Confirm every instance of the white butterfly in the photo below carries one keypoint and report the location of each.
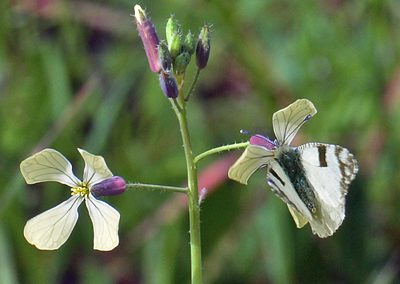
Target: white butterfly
(312, 179)
(50, 229)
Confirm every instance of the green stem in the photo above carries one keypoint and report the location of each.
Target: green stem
(157, 187)
(190, 91)
(193, 197)
(220, 149)
(175, 105)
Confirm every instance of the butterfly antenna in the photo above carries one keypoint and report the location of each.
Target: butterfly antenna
(246, 132)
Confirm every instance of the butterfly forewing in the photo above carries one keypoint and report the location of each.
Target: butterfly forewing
(330, 170)
(287, 121)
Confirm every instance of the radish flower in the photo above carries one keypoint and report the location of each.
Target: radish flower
(51, 229)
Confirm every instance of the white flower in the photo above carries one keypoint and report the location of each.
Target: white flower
(51, 229)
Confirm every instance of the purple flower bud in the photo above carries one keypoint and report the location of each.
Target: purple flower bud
(263, 141)
(112, 186)
(149, 38)
(164, 56)
(168, 84)
(203, 47)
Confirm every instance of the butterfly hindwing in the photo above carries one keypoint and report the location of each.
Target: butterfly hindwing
(287, 121)
(283, 187)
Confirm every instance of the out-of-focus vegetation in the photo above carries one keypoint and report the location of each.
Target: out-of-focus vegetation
(74, 74)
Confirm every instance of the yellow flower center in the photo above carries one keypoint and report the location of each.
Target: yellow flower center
(82, 190)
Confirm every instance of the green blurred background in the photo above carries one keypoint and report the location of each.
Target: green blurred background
(74, 74)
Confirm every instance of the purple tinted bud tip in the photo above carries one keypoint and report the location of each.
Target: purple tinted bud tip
(203, 47)
(168, 84)
(263, 141)
(112, 186)
(149, 38)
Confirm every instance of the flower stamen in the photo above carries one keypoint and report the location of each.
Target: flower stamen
(82, 190)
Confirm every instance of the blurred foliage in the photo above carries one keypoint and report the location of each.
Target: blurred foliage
(74, 74)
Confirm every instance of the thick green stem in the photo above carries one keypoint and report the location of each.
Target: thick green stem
(220, 149)
(157, 187)
(193, 197)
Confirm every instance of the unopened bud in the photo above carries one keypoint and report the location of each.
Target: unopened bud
(260, 140)
(171, 28)
(175, 44)
(181, 62)
(203, 47)
(168, 84)
(112, 186)
(149, 38)
(190, 43)
(164, 56)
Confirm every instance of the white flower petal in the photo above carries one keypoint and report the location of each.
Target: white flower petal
(96, 169)
(253, 158)
(51, 229)
(105, 223)
(48, 165)
(288, 121)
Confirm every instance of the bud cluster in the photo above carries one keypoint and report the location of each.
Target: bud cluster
(169, 58)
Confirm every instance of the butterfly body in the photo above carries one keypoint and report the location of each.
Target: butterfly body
(311, 179)
(290, 161)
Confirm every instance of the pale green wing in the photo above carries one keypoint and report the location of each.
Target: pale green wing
(287, 121)
(96, 169)
(253, 158)
(299, 219)
(51, 229)
(48, 165)
(105, 221)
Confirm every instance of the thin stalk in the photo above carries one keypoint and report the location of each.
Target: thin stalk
(190, 91)
(193, 197)
(157, 187)
(220, 149)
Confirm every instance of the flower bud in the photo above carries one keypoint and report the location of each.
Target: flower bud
(164, 56)
(203, 47)
(181, 62)
(190, 44)
(112, 186)
(175, 44)
(263, 141)
(149, 38)
(171, 28)
(168, 84)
